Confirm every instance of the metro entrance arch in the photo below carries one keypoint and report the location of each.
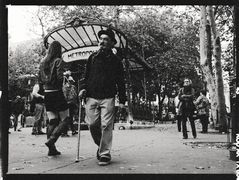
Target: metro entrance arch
(79, 40)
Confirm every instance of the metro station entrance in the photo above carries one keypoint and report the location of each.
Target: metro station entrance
(79, 40)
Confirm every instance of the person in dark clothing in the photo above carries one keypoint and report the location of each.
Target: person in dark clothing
(104, 77)
(17, 109)
(187, 107)
(51, 75)
(38, 98)
(25, 112)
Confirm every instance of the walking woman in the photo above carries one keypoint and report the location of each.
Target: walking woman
(187, 107)
(203, 105)
(51, 75)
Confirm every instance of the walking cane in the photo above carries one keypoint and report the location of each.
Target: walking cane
(78, 138)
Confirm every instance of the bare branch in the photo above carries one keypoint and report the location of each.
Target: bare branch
(224, 32)
(215, 10)
(223, 23)
(196, 8)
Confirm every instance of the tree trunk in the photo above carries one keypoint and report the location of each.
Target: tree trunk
(160, 108)
(209, 75)
(221, 106)
(205, 57)
(159, 102)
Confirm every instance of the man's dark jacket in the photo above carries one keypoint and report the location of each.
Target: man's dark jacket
(104, 76)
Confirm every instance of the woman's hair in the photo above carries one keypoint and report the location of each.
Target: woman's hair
(54, 52)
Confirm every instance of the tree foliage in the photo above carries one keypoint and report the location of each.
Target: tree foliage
(23, 62)
(166, 38)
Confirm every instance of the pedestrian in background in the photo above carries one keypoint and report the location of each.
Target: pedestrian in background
(178, 116)
(187, 107)
(104, 76)
(70, 93)
(39, 112)
(51, 75)
(202, 104)
(17, 109)
(25, 112)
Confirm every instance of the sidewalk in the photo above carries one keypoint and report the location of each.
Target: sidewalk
(156, 150)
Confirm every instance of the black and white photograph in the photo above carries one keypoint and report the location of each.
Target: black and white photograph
(121, 89)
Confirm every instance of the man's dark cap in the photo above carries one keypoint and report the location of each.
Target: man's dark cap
(108, 32)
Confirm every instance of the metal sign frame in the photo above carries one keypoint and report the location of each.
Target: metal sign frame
(79, 39)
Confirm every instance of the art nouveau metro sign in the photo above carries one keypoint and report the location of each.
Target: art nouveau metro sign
(79, 54)
(79, 40)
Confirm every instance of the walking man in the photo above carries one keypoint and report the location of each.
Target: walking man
(104, 77)
(187, 107)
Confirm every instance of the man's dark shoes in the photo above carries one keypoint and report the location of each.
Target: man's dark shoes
(41, 133)
(34, 133)
(104, 161)
(185, 137)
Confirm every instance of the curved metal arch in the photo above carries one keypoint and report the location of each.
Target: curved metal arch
(79, 39)
(85, 35)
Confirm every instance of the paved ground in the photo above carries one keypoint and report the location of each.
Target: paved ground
(158, 150)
